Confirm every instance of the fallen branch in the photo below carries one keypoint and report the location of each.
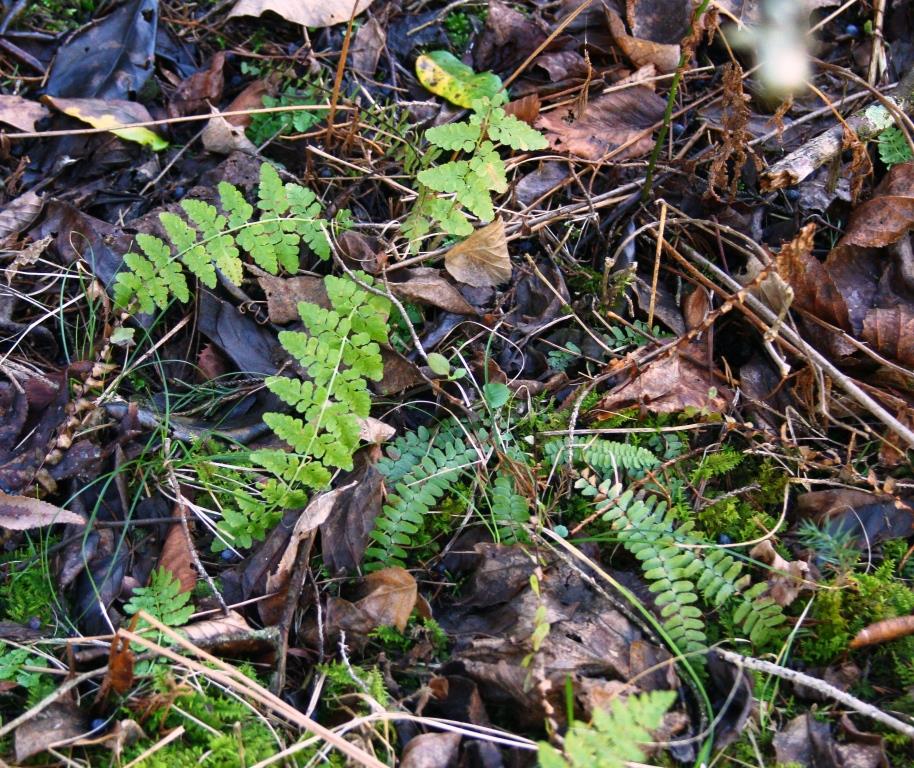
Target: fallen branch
(867, 123)
(791, 675)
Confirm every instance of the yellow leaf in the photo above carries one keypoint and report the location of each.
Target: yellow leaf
(113, 115)
(445, 75)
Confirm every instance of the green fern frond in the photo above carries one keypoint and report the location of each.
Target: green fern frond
(163, 599)
(204, 240)
(473, 179)
(678, 571)
(423, 481)
(893, 147)
(616, 736)
(604, 456)
(340, 351)
(510, 510)
(716, 464)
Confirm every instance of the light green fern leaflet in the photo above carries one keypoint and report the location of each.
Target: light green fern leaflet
(163, 599)
(206, 240)
(604, 456)
(616, 736)
(470, 181)
(340, 352)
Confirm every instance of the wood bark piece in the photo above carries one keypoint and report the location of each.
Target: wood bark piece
(867, 123)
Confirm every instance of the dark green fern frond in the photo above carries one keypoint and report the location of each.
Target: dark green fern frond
(510, 509)
(414, 496)
(716, 464)
(604, 456)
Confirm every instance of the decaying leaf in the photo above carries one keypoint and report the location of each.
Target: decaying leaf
(427, 286)
(176, 557)
(890, 331)
(57, 724)
(308, 13)
(201, 89)
(664, 56)
(19, 214)
(20, 513)
(786, 579)
(668, 385)
(888, 215)
(482, 259)
(508, 38)
(284, 293)
(113, 115)
(388, 598)
(609, 122)
(223, 138)
(367, 46)
(884, 631)
(21, 113)
(431, 750)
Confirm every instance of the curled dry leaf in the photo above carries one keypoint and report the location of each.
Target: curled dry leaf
(308, 13)
(388, 599)
(482, 259)
(201, 89)
(427, 286)
(250, 98)
(19, 214)
(431, 750)
(526, 108)
(21, 113)
(609, 122)
(20, 513)
(786, 579)
(888, 216)
(664, 56)
(177, 558)
(884, 631)
(223, 138)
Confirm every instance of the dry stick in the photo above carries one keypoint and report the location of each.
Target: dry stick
(877, 57)
(230, 676)
(805, 160)
(845, 383)
(868, 710)
(338, 81)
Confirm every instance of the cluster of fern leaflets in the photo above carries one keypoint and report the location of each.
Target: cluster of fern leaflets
(679, 571)
(452, 190)
(206, 239)
(340, 353)
(616, 736)
(510, 510)
(603, 456)
(419, 470)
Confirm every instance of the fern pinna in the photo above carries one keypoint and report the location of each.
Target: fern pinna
(678, 570)
(420, 468)
(340, 352)
(205, 240)
(604, 456)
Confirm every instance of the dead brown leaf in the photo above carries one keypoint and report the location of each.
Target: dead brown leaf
(526, 108)
(664, 56)
(366, 47)
(176, 557)
(431, 750)
(507, 39)
(308, 13)
(344, 535)
(284, 293)
(890, 331)
(19, 214)
(562, 65)
(20, 513)
(482, 259)
(669, 385)
(119, 677)
(21, 113)
(662, 21)
(211, 363)
(250, 98)
(539, 183)
(888, 215)
(427, 286)
(884, 631)
(607, 123)
(813, 287)
(223, 138)
(388, 599)
(786, 579)
(201, 90)
(58, 723)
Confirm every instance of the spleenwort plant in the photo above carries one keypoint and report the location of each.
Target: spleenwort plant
(205, 240)
(682, 567)
(452, 190)
(163, 599)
